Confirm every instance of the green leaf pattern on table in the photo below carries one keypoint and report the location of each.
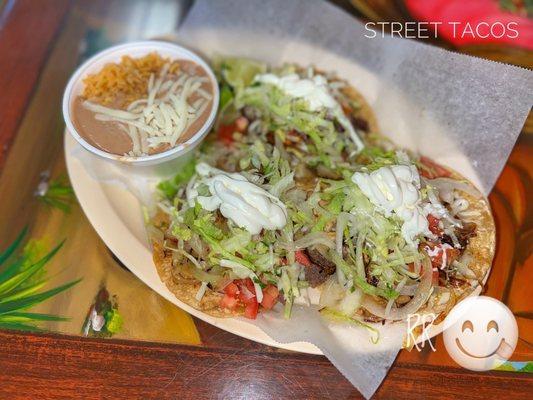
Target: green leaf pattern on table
(22, 277)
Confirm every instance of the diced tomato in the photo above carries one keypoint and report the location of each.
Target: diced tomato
(231, 289)
(245, 295)
(251, 309)
(436, 262)
(272, 290)
(246, 290)
(225, 133)
(250, 285)
(302, 258)
(229, 302)
(436, 254)
(432, 170)
(241, 124)
(242, 291)
(270, 297)
(248, 297)
(434, 225)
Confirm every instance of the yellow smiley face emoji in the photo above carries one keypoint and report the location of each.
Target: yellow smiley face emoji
(480, 333)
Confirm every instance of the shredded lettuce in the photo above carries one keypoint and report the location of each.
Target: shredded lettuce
(226, 96)
(168, 188)
(181, 232)
(240, 72)
(289, 285)
(285, 146)
(328, 312)
(350, 272)
(374, 158)
(283, 113)
(204, 226)
(238, 242)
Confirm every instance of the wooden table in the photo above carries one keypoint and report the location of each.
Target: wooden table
(39, 46)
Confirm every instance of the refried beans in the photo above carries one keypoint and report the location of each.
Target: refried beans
(111, 136)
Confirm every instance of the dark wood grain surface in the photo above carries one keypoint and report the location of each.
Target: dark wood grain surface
(50, 366)
(42, 366)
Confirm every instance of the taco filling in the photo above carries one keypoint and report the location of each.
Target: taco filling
(295, 192)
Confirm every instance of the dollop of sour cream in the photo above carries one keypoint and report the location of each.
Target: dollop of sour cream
(242, 202)
(315, 92)
(396, 189)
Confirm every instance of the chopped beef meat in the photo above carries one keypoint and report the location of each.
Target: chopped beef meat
(369, 317)
(360, 123)
(345, 251)
(294, 136)
(463, 235)
(447, 239)
(373, 280)
(316, 256)
(220, 220)
(338, 127)
(450, 280)
(328, 173)
(319, 269)
(270, 138)
(302, 172)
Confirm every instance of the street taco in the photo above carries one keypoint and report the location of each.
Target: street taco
(296, 191)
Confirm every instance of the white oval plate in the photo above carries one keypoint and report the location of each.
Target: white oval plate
(116, 216)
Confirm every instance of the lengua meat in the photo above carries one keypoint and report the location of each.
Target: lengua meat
(319, 268)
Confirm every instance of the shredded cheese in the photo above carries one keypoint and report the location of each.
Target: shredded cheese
(163, 115)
